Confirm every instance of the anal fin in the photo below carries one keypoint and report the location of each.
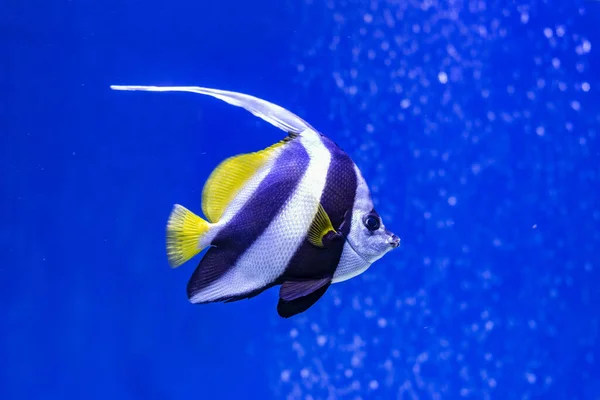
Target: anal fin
(291, 290)
(289, 308)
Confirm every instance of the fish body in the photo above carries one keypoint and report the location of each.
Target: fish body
(297, 214)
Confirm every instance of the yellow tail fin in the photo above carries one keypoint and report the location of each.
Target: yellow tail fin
(184, 232)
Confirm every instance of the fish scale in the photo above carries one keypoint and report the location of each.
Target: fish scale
(287, 231)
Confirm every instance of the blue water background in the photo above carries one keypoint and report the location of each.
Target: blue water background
(476, 124)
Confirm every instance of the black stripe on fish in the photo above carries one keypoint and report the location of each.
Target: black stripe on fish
(309, 261)
(251, 221)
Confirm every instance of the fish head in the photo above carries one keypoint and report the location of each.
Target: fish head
(368, 235)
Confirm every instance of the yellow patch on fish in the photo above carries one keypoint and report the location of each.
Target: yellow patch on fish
(226, 181)
(320, 226)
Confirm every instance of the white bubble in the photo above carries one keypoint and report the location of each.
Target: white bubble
(586, 46)
(373, 384)
(482, 30)
(443, 77)
(321, 340)
(575, 105)
(540, 131)
(285, 375)
(338, 80)
(531, 378)
(585, 87)
(304, 373)
(541, 83)
(452, 200)
(532, 324)
(548, 32)
(562, 86)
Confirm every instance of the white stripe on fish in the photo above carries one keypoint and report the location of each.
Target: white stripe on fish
(253, 271)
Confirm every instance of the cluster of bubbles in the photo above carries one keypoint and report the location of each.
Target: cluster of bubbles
(475, 124)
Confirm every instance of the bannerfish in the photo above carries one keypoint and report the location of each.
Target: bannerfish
(297, 214)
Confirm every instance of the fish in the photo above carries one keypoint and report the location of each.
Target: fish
(297, 214)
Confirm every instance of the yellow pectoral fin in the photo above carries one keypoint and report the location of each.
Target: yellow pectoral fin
(225, 182)
(185, 231)
(320, 226)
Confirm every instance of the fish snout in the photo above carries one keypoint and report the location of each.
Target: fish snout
(394, 241)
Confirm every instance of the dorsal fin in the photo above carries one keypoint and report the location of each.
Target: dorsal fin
(272, 113)
(226, 181)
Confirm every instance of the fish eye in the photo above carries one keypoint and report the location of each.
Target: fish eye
(372, 223)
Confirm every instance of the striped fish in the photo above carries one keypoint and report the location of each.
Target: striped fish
(297, 214)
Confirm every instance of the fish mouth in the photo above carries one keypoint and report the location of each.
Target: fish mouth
(394, 241)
